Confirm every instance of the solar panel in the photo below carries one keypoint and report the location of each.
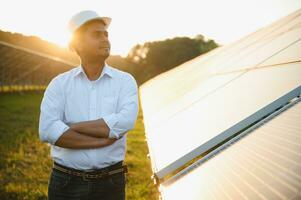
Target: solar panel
(206, 101)
(263, 163)
(218, 122)
(284, 51)
(35, 69)
(253, 50)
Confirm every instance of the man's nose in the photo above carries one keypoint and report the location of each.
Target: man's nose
(105, 43)
(104, 40)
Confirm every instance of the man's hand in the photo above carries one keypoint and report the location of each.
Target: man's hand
(74, 140)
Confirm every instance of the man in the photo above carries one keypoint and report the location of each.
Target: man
(85, 113)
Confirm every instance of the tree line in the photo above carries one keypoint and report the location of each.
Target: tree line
(144, 61)
(152, 58)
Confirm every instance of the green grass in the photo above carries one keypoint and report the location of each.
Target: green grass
(25, 162)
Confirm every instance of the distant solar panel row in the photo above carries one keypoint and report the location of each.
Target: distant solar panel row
(23, 67)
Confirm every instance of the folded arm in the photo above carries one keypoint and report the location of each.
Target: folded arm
(94, 128)
(74, 140)
(54, 131)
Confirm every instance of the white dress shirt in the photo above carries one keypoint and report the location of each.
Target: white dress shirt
(71, 97)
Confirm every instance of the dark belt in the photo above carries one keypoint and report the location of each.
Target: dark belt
(97, 173)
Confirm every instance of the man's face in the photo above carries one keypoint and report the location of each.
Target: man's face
(94, 41)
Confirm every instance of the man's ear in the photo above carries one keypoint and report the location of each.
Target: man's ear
(75, 47)
(71, 48)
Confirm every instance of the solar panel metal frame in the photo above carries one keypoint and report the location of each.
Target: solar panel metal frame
(229, 143)
(232, 141)
(159, 176)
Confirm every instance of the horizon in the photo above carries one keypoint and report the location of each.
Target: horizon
(224, 24)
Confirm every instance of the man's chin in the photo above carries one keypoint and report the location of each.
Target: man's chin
(104, 54)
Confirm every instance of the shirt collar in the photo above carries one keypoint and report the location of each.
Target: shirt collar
(106, 70)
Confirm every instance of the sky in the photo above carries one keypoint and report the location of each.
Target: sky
(139, 21)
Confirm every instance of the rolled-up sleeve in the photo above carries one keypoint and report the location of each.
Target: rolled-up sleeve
(51, 125)
(125, 119)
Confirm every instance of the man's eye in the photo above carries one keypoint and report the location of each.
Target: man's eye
(100, 34)
(97, 34)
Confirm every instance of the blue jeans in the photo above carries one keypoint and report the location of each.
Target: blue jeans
(65, 186)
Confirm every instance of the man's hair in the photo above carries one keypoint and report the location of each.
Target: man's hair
(77, 35)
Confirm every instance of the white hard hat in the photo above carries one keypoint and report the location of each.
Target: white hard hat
(83, 17)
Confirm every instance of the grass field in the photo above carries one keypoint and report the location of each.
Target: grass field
(25, 164)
